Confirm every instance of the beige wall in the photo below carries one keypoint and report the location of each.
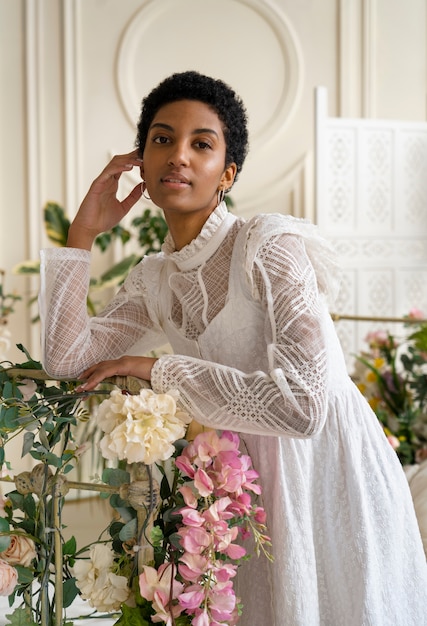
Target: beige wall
(73, 73)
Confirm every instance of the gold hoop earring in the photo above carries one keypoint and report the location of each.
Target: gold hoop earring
(144, 190)
(221, 196)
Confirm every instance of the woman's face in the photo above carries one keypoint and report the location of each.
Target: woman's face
(184, 158)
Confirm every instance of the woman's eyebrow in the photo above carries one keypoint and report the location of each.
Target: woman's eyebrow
(194, 132)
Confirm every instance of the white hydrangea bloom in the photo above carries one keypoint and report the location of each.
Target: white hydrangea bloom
(140, 428)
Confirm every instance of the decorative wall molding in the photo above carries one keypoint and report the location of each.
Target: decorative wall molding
(33, 123)
(153, 14)
(357, 36)
(348, 61)
(33, 151)
(369, 62)
(71, 68)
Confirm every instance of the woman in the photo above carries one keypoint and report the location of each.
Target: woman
(243, 305)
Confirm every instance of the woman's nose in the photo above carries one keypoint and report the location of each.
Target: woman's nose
(179, 154)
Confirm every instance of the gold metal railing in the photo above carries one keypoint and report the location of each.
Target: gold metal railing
(337, 317)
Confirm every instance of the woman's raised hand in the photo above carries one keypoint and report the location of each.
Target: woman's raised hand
(137, 366)
(101, 209)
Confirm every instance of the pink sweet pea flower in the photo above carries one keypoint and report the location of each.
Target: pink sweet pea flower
(218, 511)
(225, 571)
(192, 566)
(201, 619)
(416, 314)
(152, 582)
(241, 505)
(192, 598)
(189, 497)
(191, 517)
(260, 515)
(194, 540)
(184, 465)
(235, 552)
(222, 601)
(232, 437)
(203, 483)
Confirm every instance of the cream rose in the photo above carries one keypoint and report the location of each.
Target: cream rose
(104, 590)
(20, 552)
(8, 578)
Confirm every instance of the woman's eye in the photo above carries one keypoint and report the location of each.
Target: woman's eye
(203, 145)
(160, 139)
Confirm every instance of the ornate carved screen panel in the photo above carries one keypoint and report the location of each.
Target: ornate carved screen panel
(371, 197)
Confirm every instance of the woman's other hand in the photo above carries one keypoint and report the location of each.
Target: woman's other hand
(137, 366)
(101, 209)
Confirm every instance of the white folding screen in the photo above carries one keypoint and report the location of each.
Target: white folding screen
(371, 202)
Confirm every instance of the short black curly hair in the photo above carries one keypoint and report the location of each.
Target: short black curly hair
(215, 93)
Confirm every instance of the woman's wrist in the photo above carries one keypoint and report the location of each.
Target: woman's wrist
(79, 238)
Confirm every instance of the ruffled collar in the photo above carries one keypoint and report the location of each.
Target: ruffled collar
(205, 244)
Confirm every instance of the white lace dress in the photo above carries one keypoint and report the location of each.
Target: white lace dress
(255, 351)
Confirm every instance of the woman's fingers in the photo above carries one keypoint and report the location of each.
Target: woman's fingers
(132, 198)
(115, 168)
(140, 367)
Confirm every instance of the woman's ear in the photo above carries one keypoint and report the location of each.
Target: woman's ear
(227, 179)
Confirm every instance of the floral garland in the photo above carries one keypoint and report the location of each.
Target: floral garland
(182, 508)
(392, 375)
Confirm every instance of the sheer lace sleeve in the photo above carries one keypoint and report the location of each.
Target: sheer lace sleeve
(71, 340)
(290, 397)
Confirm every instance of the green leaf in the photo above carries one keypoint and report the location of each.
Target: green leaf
(43, 438)
(117, 232)
(21, 617)
(25, 574)
(56, 223)
(9, 418)
(116, 274)
(134, 616)
(129, 530)
(27, 267)
(420, 339)
(30, 364)
(70, 546)
(115, 477)
(8, 390)
(165, 490)
(17, 499)
(4, 538)
(28, 443)
(29, 506)
(70, 591)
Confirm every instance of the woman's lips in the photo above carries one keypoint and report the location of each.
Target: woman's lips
(177, 182)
